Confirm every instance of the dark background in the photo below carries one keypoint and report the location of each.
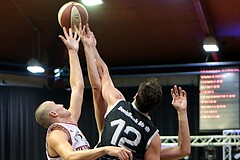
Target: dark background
(129, 33)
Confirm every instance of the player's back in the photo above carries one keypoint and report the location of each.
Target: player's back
(126, 127)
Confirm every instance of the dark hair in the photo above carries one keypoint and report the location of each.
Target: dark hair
(149, 96)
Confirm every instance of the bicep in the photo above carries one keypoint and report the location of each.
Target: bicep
(58, 141)
(154, 149)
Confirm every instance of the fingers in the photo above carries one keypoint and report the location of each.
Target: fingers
(62, 38)
(76, 34)
(76, 31)
(184, 93)
(65, 32)
(70, 32)
(81, 31)
(178, 91)
(80, 27)
(126, 155)
(130, 156)
(172, 92)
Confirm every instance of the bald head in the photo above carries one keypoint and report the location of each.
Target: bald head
(42, 114)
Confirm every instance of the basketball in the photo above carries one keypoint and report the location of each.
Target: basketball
(72, 13)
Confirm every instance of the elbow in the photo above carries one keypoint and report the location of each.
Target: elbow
(79, 86)
(76, 83)
(96, 86)
(68, 157)
(186, 151)
(72, 156)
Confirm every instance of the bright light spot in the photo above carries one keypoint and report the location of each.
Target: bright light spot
(35, 69)
(92, 2)
(211, 48)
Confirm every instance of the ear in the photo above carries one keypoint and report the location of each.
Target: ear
(53, 114)
(135, 95)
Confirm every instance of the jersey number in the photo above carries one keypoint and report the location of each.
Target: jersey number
(120, 125)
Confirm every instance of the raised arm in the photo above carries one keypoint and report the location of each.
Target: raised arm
(109, 92)
(100, 106)
(179, 101)
(98, 75)
(71, 40)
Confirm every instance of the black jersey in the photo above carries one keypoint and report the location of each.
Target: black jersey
(126, 127)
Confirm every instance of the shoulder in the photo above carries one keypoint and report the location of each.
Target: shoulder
(118, 102)
(57, 131)
(56, 138)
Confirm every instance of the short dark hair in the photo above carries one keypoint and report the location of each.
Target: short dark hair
(149, 96)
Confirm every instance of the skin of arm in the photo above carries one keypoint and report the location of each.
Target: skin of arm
(153, 151)
(110, 93)
(100, 106)
(76, 78)
(179, 101)
(99, 76)
(59, 141)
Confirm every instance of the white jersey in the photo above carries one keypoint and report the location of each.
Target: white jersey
(76, 137)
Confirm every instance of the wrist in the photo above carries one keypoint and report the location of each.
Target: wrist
(105, 150)
(182, 111)
(72, 50)
(88, 45)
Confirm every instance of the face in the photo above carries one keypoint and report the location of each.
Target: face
(59, 110)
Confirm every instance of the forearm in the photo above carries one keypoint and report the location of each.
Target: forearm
(76, 84)
(183, 133)
(87, 154)
(183, 148)
(76, 77)
(95, 81)
(93, 75)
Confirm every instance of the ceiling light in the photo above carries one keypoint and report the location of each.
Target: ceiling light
(92, 2)
(210, 44)
(34, 66)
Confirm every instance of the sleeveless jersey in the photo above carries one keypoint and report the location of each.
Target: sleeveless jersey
(127, 127)
(76, 138)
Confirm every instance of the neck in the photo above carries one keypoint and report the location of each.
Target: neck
(135, 105)
(66, 120)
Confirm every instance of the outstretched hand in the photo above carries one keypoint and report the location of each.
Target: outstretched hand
(87, 36)
(71, 40)
(179, 98)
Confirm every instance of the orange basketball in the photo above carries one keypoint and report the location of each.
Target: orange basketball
(72, 13)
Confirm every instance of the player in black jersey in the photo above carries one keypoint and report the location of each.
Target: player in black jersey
(128, 124)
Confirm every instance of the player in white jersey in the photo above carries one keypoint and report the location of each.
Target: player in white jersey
(98, 74)
(64, 140)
